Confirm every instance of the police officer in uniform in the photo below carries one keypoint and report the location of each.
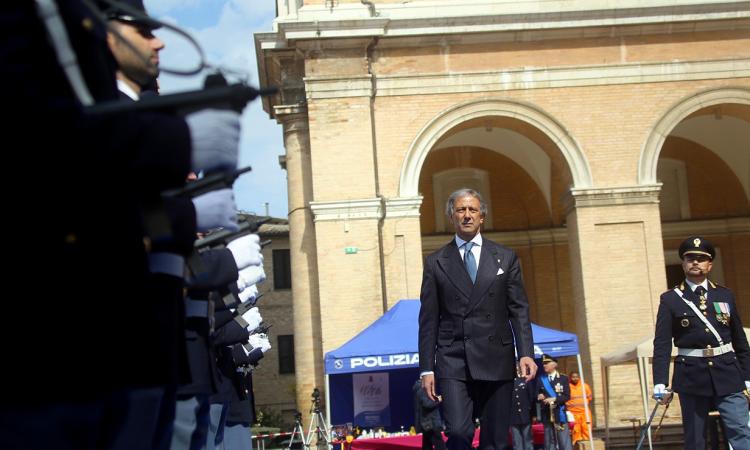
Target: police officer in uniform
(713, 358)
(554, 392)
(522, 402)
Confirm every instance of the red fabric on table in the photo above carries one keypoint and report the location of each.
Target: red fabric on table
(412, 442)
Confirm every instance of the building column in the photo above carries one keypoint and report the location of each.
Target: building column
(308, 353)
(618, 273)
(402, 248)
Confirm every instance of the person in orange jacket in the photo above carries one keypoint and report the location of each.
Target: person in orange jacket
(577, 406)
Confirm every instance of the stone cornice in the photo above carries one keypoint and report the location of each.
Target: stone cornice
(527, 78)
(337, 87)
(402, 207)
(548, 236)
(614, 196)
(288, 110)
(369, 208)
(678, 230)
(551, 236)
(420, 18)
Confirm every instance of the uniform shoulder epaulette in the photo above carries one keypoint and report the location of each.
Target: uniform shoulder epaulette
(679, 287)
(714, 285)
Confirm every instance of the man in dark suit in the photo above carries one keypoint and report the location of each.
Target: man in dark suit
(713, 356)
(473, 303)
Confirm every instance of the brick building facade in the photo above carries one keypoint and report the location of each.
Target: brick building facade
(574, 118)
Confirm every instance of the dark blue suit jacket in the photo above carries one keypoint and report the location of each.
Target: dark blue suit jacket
(465, 326)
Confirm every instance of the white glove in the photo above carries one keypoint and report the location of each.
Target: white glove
(215, 138)
(246, 251)
(260, 340)
(659, 391)
(747, 385)
(216, 209)
(250, 293)
(249, 276)
(253, 318)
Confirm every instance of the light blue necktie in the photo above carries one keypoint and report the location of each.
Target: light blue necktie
(470, 262)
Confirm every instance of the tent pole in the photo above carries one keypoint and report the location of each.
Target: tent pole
(328, 404)
(585, 402)
(605, 382)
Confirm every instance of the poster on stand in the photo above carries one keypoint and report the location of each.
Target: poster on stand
(371, 399)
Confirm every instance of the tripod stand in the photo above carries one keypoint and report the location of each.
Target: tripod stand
(318, 425)
(298, 431)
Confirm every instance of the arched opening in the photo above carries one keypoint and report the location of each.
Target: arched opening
(703, 163)
(513, 154)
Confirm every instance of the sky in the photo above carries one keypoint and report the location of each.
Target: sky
(224, 29)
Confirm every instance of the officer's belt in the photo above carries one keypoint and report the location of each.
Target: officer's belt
(196, 308)
(705, 352)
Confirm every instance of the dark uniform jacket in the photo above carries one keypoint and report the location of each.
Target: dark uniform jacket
(523, 401)
(469, 328)
(241, 401)
(163, 308)
(561, 386)
(219, 269)
(91, 176)
(719, 375)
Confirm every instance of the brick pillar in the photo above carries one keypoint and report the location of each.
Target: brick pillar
(402, 248)
(308, 353)
(617, 271)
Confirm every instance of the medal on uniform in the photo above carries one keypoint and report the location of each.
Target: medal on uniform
(703, 305)
(722, 312)
(684, 323)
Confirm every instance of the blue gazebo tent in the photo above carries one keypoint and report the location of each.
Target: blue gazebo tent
(390, 345)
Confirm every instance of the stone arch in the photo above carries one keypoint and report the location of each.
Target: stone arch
(649, 159)
(462, 112)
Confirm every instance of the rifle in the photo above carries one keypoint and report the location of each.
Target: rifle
(244, 307)
(222, 237)
(262, 328)
(211, 182)
(238, 95)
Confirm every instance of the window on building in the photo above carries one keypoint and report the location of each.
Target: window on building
(286, 353)
(282, 269)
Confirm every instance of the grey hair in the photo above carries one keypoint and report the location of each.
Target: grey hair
(464, 192)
